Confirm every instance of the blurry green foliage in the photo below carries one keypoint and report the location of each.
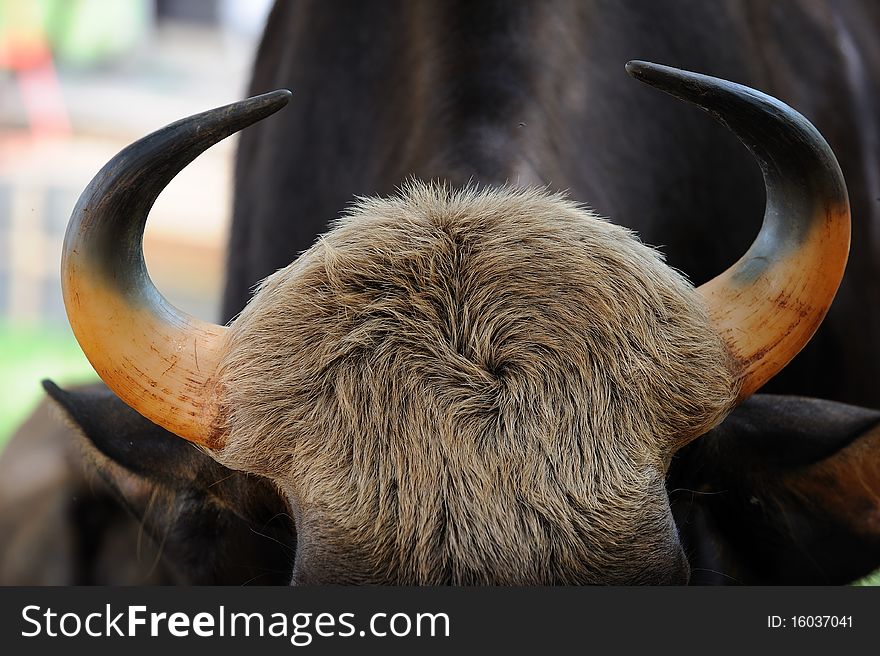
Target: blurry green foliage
(870, 580)
(80, 33)
(28, 354)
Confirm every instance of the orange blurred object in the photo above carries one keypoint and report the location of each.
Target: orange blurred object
(25, 50)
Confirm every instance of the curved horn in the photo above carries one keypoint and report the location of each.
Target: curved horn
(159, 360)
(769, 303)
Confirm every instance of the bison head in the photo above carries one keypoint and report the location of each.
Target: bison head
(466, 386)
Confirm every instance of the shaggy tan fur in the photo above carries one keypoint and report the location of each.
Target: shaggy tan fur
(475, 387)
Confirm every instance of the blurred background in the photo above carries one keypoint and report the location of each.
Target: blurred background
(80, 80)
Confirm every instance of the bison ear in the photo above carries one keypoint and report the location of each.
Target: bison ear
(214, 525)
(786, 490)
(123, 436)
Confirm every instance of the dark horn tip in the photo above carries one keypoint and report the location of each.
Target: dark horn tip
(646, 71)
(636, 67)
(282, 96)
(663, 77)
(272, 101)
